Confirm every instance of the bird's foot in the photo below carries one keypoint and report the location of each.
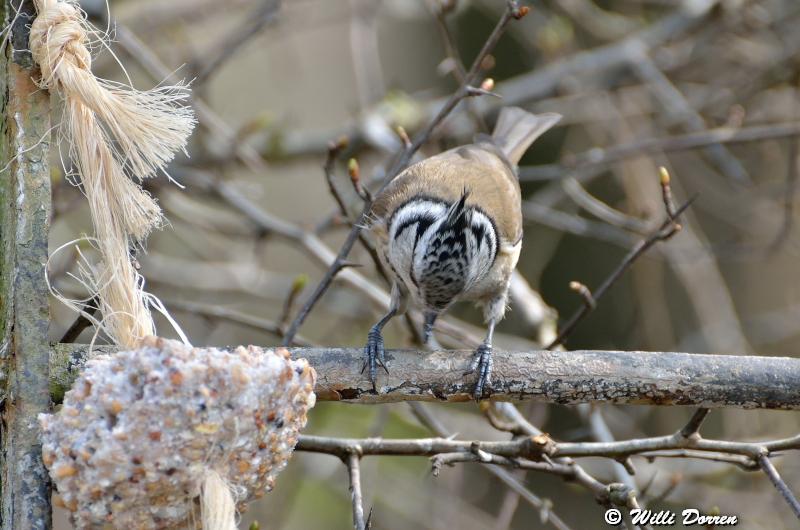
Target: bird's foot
(482, 363)
(374, 356)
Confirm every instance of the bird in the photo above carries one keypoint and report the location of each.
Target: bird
(449, 229)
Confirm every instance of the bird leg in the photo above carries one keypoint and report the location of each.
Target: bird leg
(493, 311)
(374, 350)
(482, 363)
(428, 337)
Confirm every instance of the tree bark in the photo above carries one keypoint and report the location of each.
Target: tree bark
(24, 315)
(566, 377)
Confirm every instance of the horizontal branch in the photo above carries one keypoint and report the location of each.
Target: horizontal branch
(566, 377)
(599, 157)
(536, 447)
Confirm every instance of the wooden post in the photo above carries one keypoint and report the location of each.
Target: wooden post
(24, 315)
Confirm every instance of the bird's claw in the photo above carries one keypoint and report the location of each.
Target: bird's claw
(374, 356)
(482, 363)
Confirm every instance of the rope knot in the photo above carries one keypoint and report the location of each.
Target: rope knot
(58, 34)
(117, 135)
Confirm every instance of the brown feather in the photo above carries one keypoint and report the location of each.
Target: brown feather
(487, 169)
(480, 168)
(516, 129)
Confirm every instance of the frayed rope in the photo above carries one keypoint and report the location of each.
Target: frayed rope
(218, 510)
(115, 134)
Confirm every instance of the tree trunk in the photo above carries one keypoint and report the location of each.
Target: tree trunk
(24, 315)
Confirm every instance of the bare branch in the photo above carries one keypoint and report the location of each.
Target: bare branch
(533, 85)
(353, 169)
(334, 148)
(659, 378)
(601, 157)
(780, 485)
(601, 210)
(674, 441)
(205, 115)
(676, 105)
(81, 322)
(693, 427)
(584, 293)
(354, 472)
(540, 449)
(542, 505)
(790, 192)
(542, 454)
(512, 12)
(233, 316)
(667, 229)
(223, 50)
(577, 225)
(744, 462)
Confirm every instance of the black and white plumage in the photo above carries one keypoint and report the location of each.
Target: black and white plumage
(440, 250)
(449, 228)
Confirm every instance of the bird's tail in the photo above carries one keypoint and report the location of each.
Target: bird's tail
(517, 129)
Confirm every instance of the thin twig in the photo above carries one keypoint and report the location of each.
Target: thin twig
(584, 293)
(667, 229)
(624, 470)
(440, 10)
(780, 485)
(601, 157)
(533, 447)
(354, 472)
(789, 197)
(743, 462)
(542, 454)
(575, 224)
(512, 11)
(542, 449)
(544, 507)
(355, 179)
(298, 285)
(222, 51)
(510, 504)
(209, 119)
(676, 105)
(693, 427)
(322, 286)
(334, 148)
(674, 482)
(674, 441)
(601, 210)
(209, 311)
(330, 161)
(81, 322)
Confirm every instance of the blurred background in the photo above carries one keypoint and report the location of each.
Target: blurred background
(641, 83)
